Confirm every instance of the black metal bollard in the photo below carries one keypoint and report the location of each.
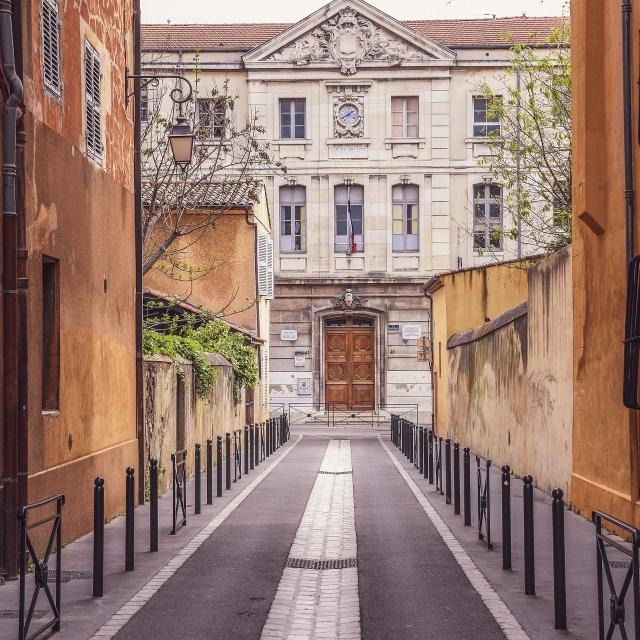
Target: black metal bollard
(425, 453)
(129, 526)
(227, 453)
(219, 466)
(421, 450)
(431, 440)
(197, 479)
(209, 471)
(456, 478)
(447, 470)
(246, 449)
(466, 475)
(506, 517)
(257, 439)
(153, 505)
(98, 538)
(559, 582)
(529, 549)
(267, 440)
(252, 445)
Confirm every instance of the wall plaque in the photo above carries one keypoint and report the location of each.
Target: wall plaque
(411, 332)
(289, 335)
(348, 151)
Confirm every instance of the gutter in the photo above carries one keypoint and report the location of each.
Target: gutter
(629, 186)
(10, 303)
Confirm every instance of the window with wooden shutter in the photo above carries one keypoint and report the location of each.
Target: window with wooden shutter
(263, 269)
(92, 79)
(270, 283)
(50, 26)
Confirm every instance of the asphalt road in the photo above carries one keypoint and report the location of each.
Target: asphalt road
(410, 585)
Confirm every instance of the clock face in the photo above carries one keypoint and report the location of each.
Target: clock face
(349, 115)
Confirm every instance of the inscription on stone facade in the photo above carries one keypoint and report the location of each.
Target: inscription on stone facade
(348, 151)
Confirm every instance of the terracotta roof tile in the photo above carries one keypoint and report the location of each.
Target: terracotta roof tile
(486, 32)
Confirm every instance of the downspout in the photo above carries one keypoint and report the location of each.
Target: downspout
(518, 164)
(139, 298)
(433, 381)
(10, 334)
(255, 271)
(629, 191)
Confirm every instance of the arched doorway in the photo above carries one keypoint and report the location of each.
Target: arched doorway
(350, 362)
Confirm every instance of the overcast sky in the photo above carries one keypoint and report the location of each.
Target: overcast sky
(286, 11)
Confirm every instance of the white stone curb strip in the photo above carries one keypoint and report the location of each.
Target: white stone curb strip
(110, 628)
(498, 609)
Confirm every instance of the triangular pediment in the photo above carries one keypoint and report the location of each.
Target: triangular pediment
(349, 34)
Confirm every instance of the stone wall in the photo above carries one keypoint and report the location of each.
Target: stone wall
(510, 381)
(177, 418)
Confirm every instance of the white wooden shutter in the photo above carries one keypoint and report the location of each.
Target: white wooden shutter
(92, 79)
(50, 27)
(263, 268)
(270, 283)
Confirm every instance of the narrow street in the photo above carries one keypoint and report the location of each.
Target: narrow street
(257, 576)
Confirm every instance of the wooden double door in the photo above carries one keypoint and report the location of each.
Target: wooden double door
(350, 362)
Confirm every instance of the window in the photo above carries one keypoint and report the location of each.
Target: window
(92, 79)
(346, 242)
(293, 219)
(487, 216)
(292, 118)
(265, 266)
(211, 117)
(405, 217)
(404, 117)
(50, 335)
(485, 123)
(50, 25)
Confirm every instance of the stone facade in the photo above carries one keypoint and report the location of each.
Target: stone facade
(388, 109)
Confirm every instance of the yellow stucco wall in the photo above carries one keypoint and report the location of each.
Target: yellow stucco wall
(463, 300)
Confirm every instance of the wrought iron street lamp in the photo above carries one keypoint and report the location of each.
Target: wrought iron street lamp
(181, 137)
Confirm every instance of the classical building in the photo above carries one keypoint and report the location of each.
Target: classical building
(380, 125)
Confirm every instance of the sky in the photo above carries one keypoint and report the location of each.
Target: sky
(186, 11)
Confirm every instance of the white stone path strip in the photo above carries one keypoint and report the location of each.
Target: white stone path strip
(127, 611)
(498, 609)
(321, 605)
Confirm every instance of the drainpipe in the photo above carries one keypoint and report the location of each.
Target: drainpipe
(518, 164)
(433, 356)
(10, 337)
(139, 299)
(629, 192)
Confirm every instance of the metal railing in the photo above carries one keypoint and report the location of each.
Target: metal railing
(40, 566)
(179, 489)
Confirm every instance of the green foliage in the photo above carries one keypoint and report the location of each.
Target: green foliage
(217, 337)
(531, 156)
(174, 346)
(191, 342)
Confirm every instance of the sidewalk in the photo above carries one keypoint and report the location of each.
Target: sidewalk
(83, 615)
(535, 613)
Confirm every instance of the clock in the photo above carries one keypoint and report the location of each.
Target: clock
(349, 114)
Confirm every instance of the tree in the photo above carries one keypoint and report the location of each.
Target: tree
(179, 206)
(530, 156)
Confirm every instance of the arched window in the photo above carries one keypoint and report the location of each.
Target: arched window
(487, 216)
(405, 217)
(349, 232)
(293, 219)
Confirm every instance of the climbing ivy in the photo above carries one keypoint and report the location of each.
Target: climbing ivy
(191, 342)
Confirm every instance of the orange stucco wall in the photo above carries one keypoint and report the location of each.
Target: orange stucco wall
(230, 287)
(82, 213)
(605, 438)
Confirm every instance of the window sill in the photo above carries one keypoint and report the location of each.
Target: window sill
(51, 413)
(419, 141)
(292, 141)
(482, 140)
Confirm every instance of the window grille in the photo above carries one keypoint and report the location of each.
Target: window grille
(92, 80)
(50, 25)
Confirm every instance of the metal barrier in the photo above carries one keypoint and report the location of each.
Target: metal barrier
(484, 500)
(179, 492)
(617, 613)
(237, 455)
(41, 566)
(300, 413)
